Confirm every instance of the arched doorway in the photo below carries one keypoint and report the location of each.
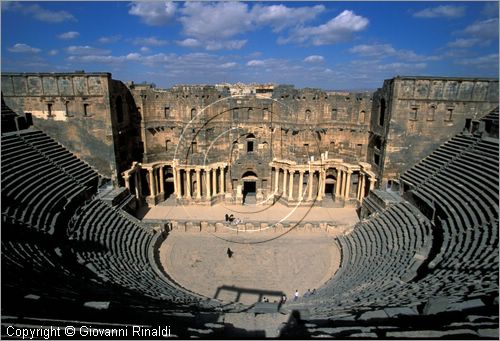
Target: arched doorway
(249, 179)
(330, 182)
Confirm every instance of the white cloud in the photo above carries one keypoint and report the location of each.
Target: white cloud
(256, 62)
(53, 52)
(144, 49)
(86, 50)
(226, 45)
(338, 29)
(203, 21)
(387, 50)
(212, 45)
(23, 48)
(443, 11)
(149, 41)
(38, 12)
(401, 67)
(109, 39)
(223, 20)
(373, 50)
(189, 42)
(279, 16)
(106, 59)
(154, 13)
(68, 35)
(228, 65)
(314, 59)
(488, 62)
(463, 43)
(486, 29)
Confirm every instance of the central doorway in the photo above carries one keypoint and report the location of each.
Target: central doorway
(249, 191)
(249, 188)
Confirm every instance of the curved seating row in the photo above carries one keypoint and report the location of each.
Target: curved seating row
(379, 256)
(119, 250)
(26, 195)
(399, 258)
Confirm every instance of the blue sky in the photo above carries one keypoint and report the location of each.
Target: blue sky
(329, 45)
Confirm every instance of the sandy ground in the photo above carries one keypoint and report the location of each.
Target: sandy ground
(262, 265)
(270, 214)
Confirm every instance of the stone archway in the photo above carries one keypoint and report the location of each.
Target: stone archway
(249, 189)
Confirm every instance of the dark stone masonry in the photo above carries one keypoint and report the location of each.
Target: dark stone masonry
(82, 154)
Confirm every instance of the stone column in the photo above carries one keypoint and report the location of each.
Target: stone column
(362, 189)
(348, 184)
(338, 184)
(214, 181)
(177, 183)
(276, 179)
(162, 180)
(188, 178)
(310, 185)
(207, 182)
(358, 190)
(139, 183)
(290, 190)
(342, 189)
(320, 185)
(284, 182)
(127, 181)
(198, 184)
(372, 183)
(301, 179)
(222, 180)
(152, 189)
(138, 191)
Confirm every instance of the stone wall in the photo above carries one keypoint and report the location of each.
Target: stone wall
(420, 114)
(111, 125)
(291, 124)
(79, 110)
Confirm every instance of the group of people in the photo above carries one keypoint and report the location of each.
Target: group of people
(232, 220)
(306, 294)
(295, 296)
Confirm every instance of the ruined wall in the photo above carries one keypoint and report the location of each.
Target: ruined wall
(125, 121)
(420, 114)
(204, 124)
(78, 110)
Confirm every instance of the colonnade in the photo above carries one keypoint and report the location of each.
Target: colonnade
(204, 183)
(210, 181)
(189, 182)
(314, 189)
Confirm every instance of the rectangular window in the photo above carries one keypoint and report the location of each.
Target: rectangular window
(413, 114)
(167, 142)
(85, 109)
(49, 109)
(334, 114)
(166, 112)
(376, 159)
(432, 113)
(250, 146)
(66, 108)
(193, 147)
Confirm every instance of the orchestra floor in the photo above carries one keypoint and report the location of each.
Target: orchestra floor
(262, 264)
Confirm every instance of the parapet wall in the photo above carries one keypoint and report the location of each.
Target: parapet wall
(80, 111)
(420, 114)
